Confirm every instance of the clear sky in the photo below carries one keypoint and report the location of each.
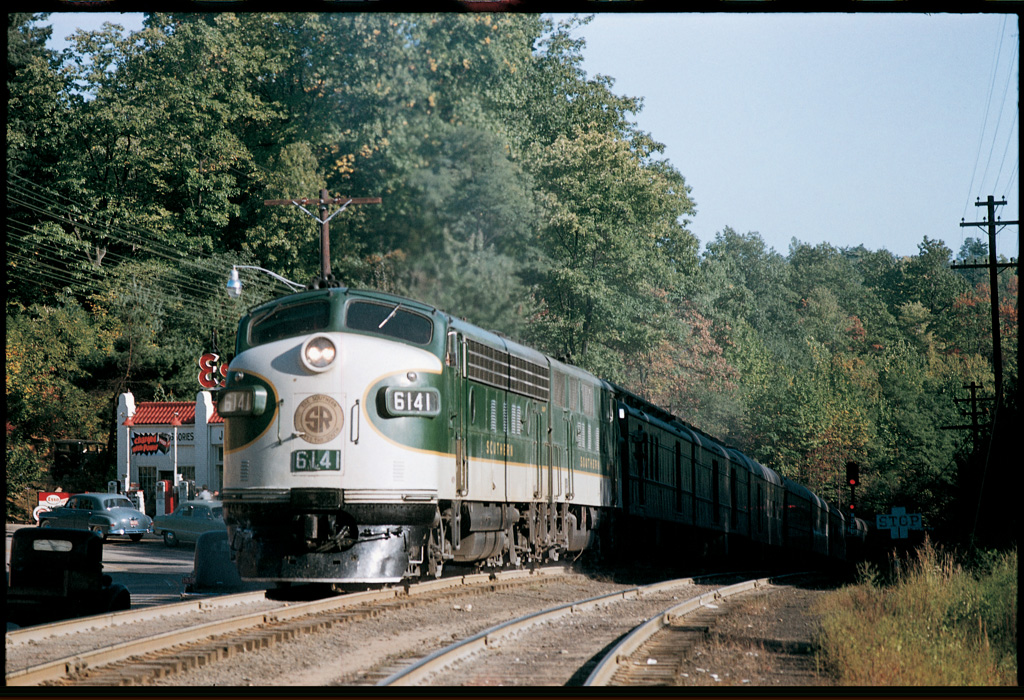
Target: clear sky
(842, 128)
(845, 128)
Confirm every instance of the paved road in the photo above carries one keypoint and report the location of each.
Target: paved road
(150, 569)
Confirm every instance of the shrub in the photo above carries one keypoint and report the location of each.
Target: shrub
(933, 623)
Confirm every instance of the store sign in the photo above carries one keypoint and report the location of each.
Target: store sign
(153, 443)
(212, 372)
(48, 500)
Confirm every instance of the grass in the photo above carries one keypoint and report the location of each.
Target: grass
(932, 619)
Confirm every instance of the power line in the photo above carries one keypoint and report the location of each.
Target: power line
(999, 118)
(992, 263)
(40, 250)
(29, 198)
(50, 265)
(43, 206)
(1006, 149)
(984, 122)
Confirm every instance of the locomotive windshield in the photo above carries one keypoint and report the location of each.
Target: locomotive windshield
(391, 320)
(288, 320)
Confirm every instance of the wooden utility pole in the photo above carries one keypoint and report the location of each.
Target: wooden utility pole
(975, 412)
(993, 266)
(326, 279)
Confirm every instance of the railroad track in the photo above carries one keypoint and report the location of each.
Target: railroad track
(256, 623)
(588, 642)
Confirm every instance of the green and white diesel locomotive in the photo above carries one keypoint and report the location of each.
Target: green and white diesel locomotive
(370, 438)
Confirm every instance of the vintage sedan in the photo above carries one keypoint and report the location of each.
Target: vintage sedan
(190, 520)
(56, 574)
(104, 513)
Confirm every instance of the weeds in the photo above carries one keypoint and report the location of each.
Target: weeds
(925, 621)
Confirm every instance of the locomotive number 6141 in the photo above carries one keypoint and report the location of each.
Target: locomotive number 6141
(412, 402)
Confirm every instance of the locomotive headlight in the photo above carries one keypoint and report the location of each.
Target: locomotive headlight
(318, 353)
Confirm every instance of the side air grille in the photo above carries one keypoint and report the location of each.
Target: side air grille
(499, 369)
(529, 378)
(486, 365)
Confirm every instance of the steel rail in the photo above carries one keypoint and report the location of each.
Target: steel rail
(621, 652)
(420, 670)
(76, 663)
(36, 633)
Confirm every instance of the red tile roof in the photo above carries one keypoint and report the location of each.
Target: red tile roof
(161, 413)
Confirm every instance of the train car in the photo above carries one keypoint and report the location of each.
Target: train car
(371, 438)
(765, 495)
(804, 521)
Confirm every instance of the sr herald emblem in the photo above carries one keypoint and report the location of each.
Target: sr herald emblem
(319, 418)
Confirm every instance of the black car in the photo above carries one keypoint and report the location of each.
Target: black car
(57, 574)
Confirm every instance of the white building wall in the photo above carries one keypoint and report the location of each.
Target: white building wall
(197, 445)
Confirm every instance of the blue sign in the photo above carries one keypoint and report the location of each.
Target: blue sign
(899, 522)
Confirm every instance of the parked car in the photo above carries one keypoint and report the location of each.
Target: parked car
(189, 520)
(103, 513)
(56, 574)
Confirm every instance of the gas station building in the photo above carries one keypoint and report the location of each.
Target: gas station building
(161, 444)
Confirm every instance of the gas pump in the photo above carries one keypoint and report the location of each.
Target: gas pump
(138, 497)
(113, 487)
(186, 491)
(165, 498)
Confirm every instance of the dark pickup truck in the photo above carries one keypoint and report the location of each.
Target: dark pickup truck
(58, 574)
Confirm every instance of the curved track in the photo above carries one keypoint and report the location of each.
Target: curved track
(588, 642)
(555, 646)
(641, 654)
(190, 638)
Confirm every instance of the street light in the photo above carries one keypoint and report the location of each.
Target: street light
(128, 423)
(175, 423)
(234, 285)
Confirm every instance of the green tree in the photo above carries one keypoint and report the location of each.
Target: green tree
(746, 280)
(32, 93)
(913, 459)
(687, 373)
(285, 239)
(611, 238)
(47, 350)
(47, 355)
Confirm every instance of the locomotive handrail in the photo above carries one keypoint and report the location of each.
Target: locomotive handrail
(353, 423)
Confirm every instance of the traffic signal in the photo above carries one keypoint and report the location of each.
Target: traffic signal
(852, 473)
